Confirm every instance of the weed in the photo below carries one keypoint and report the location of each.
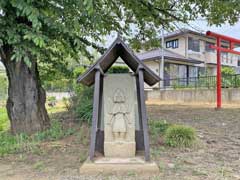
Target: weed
(38, 165)
(25, 143)
(83, 156)
(157, 130)
(180, 136)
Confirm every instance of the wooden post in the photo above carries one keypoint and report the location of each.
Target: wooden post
(95, 116)
(143, 112)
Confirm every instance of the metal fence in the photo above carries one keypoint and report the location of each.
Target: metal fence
(228, 81)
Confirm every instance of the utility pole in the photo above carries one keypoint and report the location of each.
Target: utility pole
(161, 63)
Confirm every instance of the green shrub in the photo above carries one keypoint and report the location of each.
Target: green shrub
(158, 127)
(180, 136)
(83, 104)
(118, 69)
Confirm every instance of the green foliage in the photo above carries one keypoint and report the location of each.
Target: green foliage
(228, 78)
(58, 85)
(83, 104)
(22, 142)
(227, 71)
(118, 69)
(55, 132)
(51, 101)
(3, 86)
(158, 127)
(51, 98)
(4, 122)
(180, 136)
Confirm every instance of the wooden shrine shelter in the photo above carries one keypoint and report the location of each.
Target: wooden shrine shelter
(95, 75)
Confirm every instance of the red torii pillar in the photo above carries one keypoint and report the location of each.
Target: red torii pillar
(232, 42)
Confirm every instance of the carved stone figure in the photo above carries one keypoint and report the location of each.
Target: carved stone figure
(119, 119)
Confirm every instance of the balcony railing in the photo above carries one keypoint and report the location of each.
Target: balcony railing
(228, 81)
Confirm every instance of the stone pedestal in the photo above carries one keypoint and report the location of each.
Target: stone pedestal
(119, 166)
(119, 149)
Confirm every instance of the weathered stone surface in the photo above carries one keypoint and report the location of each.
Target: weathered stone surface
(119, 115)
(120, 149)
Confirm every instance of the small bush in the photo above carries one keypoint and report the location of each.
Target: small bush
(180, 136)
(118, 69)
(158, 127)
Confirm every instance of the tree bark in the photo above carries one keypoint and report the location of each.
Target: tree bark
(26, 98)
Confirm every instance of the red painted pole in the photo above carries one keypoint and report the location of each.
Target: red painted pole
(219, 75)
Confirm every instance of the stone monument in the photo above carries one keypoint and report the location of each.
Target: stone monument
(119, 123)
(119, 115)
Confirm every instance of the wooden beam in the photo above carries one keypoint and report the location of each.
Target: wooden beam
(95, 116)
(143, 112)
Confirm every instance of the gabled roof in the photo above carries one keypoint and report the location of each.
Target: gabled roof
(118, 49)
(157, 54)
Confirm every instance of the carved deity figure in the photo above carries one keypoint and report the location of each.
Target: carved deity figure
(119, 119)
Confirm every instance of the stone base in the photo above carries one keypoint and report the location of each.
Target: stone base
(120, 149)
(119, 166)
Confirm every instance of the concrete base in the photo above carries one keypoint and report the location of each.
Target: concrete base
(119, 166)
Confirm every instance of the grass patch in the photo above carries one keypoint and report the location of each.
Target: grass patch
(22, 143)
(180, 136)
(4, 122)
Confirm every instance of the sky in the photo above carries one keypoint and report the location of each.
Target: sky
(226, 29)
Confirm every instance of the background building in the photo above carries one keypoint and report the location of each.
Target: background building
(187, 55)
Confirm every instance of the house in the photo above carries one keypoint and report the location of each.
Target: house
(187, 54)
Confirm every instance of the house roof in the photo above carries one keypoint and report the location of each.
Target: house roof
(157, 54)
(183, 31)
(118, 49)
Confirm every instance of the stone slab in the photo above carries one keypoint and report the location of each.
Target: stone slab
(119, 166)
(120, 103)
(120, 149)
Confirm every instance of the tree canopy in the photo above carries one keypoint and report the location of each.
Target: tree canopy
(53, 30)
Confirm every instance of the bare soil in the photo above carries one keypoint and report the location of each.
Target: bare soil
(215, 156)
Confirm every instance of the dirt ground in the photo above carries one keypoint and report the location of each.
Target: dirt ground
(216, 155)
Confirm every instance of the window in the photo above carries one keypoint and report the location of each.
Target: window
(224, 54)
(193, 44)
(207, 47)
(238, 62)
(172, 44)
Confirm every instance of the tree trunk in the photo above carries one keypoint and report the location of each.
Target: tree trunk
(26, 98)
